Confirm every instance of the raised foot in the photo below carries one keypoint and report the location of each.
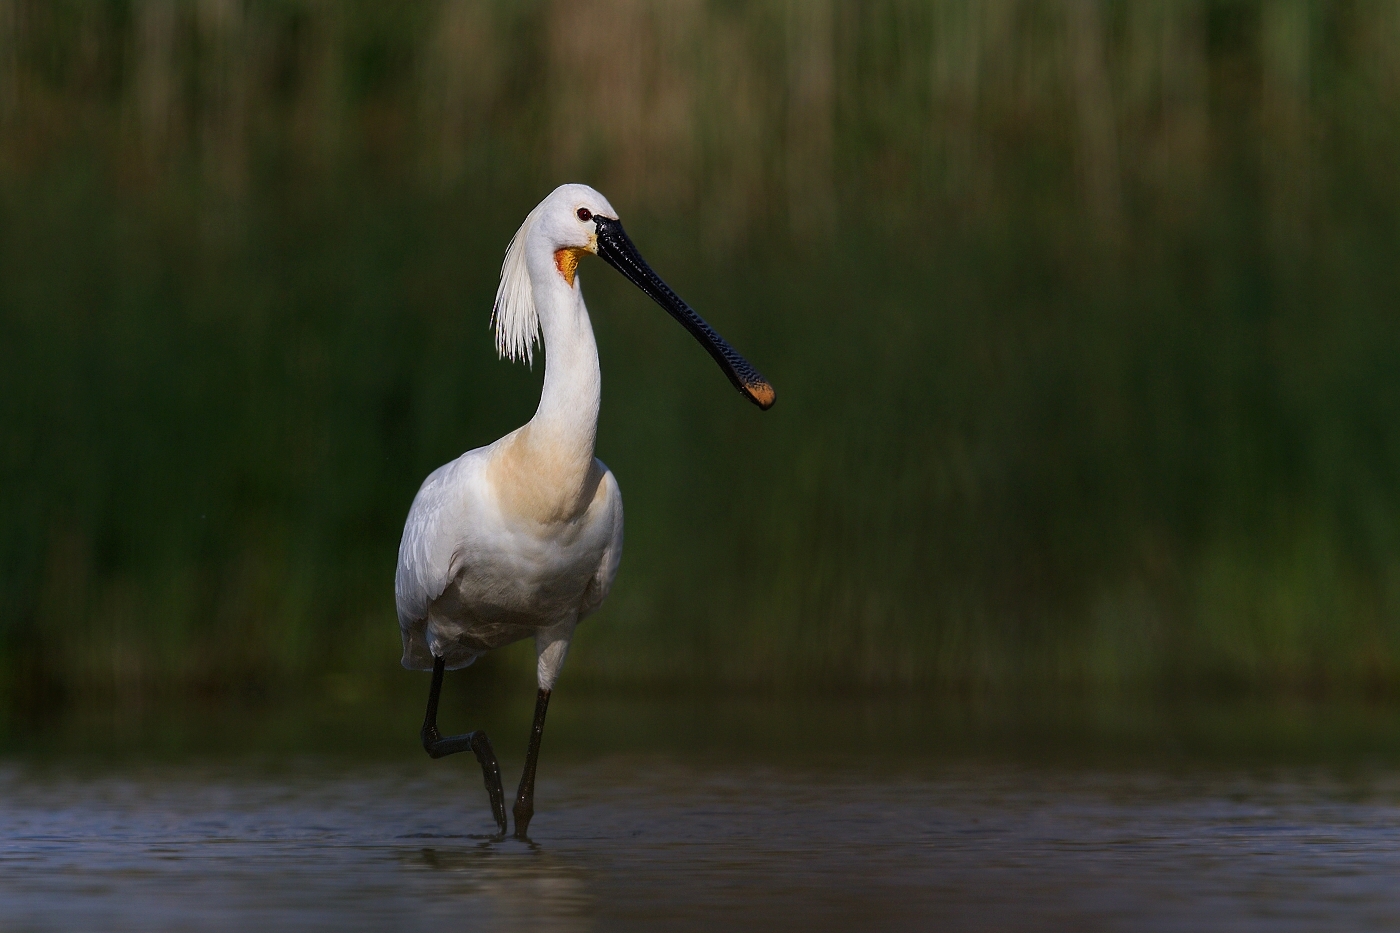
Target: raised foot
(491, 774)
(440, 747)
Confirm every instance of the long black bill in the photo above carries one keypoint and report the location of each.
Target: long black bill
(616, 247)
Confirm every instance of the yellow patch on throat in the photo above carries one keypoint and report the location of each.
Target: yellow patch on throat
(566, 261)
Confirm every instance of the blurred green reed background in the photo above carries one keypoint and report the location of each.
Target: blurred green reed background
(1084, 320)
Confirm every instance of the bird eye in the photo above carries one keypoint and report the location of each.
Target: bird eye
(585, 214)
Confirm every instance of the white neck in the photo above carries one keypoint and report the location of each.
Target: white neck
(545, 471)
(567, 416)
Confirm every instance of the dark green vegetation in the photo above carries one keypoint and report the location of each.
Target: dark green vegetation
(1084, 319)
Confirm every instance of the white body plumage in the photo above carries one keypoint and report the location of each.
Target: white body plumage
(522, 537)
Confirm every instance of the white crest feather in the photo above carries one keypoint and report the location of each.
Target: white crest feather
(514, 317)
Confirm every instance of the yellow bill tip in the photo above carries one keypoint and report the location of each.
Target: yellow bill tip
(762, 393)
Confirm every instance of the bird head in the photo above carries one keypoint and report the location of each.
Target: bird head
(566, 221)
(575, 220)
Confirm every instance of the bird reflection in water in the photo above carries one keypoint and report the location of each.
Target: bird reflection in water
(513, 887)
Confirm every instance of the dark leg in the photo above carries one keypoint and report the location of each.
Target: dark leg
(525, 799)
(438, 746)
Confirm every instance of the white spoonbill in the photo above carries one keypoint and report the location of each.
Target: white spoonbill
(522, 537)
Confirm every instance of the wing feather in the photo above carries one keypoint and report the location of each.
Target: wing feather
(431, 549)
(607, 567)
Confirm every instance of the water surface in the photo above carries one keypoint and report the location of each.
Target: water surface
(705, 835)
